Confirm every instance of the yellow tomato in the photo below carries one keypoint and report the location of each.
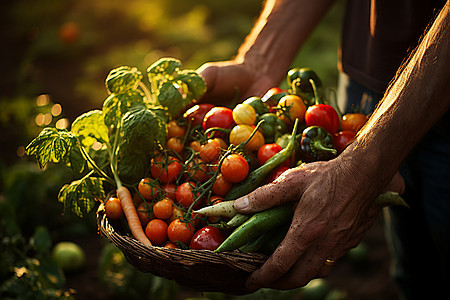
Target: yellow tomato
(240, 133)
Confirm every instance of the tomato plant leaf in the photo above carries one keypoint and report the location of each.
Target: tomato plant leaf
(163, 70)
(144, 128)
(170, 97)
(79, 196)
(52, 145)
(174, 88)
(122, 79)
(195, 86)
(132, 165)
(90, 129)
(116, 105)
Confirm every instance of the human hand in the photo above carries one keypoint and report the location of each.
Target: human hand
(334, 209)
(228, 80)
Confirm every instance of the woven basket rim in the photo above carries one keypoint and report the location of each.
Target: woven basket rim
(166, 262)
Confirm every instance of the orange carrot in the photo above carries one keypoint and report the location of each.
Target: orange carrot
(131, 214)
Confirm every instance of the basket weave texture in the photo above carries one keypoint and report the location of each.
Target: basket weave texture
(202, 270)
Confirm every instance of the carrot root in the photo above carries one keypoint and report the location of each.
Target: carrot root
(132, 217)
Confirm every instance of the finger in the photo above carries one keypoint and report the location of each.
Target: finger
(290, 250)
(310, 266)
(270, 195)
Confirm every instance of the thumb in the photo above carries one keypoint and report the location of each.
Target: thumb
(272, 194)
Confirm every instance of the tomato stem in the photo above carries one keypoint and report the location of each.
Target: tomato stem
(319, 146)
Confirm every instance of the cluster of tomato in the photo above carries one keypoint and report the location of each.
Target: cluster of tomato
(192, 170)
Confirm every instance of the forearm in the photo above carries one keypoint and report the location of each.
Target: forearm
(415, 101)
(278, 34)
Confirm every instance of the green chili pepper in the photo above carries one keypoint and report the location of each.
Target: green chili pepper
(257, 176)
(258, 105)
(258, 224)
(238, 220)
(255, 245)
(272, 128)
(269, 247)
(316, 144)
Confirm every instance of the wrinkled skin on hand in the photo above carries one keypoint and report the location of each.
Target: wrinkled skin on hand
(334, 210)
(230, 80)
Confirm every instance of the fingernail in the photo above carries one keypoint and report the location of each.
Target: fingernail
(241, 204)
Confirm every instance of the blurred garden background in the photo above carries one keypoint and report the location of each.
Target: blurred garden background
(55, 57)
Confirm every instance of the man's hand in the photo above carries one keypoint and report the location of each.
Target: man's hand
(229, 80)
(334, 209)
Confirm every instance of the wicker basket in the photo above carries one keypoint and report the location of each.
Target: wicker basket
(202, 270)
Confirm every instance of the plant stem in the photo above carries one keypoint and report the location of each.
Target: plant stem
(93, 164)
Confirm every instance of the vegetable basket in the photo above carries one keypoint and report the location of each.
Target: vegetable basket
(202, 270)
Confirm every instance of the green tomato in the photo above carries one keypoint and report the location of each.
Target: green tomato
(258, 105)
(68, 256)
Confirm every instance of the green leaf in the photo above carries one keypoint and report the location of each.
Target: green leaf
(123, 79)
(163, 68)
(116, 105)
(170, 97)
(41, 240)
(133, 165)
(90, 128)
(79, 196)
(196, 87)
(52, 145)
(143, 128)
(175, 88)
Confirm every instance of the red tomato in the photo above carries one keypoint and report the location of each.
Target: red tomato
(163, 209)
(69, 33)
(145, 213)
(353, 122)
(197, 170)
(170, 190)
(207, 238)
(234, 168)
(322, 115)
(195, 145)
(218, 116)
(210, 151)
(196, 113)
(156, 231)
(113, 208)
(267, 151)
(176, 144)
(342, 138)
(179, 231)
(276, 173)
(221, 187)
(185, 195)
(166, 170)
(171, 245)
(148, 188)
(175, 130)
